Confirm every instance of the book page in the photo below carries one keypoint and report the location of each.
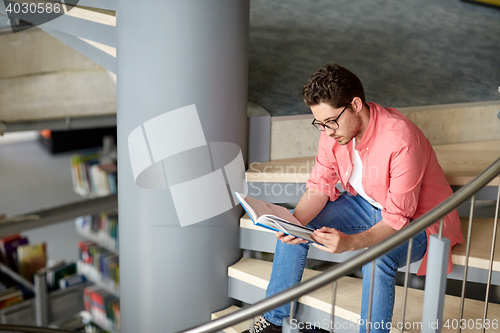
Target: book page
(297, 231)
(244, 204)
(262, 208)
(269, 224)
(274, 217)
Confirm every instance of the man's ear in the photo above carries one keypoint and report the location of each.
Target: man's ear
(357, 104)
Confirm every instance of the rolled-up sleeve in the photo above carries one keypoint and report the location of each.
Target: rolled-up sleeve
(406, 174)
(323, 177)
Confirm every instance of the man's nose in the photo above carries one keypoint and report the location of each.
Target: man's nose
(329, 131)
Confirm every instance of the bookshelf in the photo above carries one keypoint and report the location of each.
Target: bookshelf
(40, 193)
(45, 305)
(94, 171)
(94, 174)
(106, 325)
(98, 258)
(95, 277)
(99, 262)
(101, 229)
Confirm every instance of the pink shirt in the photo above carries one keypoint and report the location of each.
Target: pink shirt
(400, 171)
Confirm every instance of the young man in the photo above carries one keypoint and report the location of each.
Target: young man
(392, 177)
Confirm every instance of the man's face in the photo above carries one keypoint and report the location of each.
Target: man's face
(349, 122)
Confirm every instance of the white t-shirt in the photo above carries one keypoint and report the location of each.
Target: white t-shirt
(357, 176)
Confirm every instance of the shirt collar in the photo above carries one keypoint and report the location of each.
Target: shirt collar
(371, 130)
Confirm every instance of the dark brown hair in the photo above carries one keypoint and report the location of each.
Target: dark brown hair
(333, 85)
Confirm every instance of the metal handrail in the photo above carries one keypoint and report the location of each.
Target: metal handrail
(359, 260)
(27, 329)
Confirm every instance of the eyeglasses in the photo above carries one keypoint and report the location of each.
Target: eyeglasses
(330, 124)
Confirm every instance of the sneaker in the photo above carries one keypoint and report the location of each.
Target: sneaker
(263, 326)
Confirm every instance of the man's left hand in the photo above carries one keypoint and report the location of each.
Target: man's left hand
(334, 240)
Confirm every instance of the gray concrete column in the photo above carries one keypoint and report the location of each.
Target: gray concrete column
(181, 64)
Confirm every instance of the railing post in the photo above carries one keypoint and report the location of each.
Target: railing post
(334, 298)
(407, 276)
(41, 300)
(370, 299)
(290, 324)
(492, 255)
(435, 284)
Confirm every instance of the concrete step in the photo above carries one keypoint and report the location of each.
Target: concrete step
(95, 15)
(236, 328)
(479, 257)
(249, 279)
(33, 52)
(58, 94)
(480, 248)
(89, 23)
(256, 238)
(460, 162)
(43, 79)
(294, 137)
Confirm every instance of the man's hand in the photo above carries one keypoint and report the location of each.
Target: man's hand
(334, 240)
(288, 239)
(338, 242)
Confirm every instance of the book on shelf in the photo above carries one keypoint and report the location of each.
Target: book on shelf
(8, 296)
(31, 258)
(48, 270)
(99, 264)
(3, 253)
(274, 217)
(63, 272)
(10, 291)
(62, 275)
(103, 306)
(59, 271)
(8, 247)
(86, 296)
(101, 228)
(11, 301)
(116, 312)
(71, 281)
(93, 173)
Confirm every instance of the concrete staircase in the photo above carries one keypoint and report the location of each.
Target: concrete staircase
(89, 28)
(61, 74)
(253, 275)
(249, 277)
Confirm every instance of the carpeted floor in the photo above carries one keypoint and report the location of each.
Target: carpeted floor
(406, 52)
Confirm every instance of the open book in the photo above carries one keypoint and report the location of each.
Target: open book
(274, 217)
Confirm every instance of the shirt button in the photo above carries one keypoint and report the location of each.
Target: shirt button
(346, 173)
(366, 148)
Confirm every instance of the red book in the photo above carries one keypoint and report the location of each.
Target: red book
(7, 239)
(86, 296)
(97, 308)
(84, 251)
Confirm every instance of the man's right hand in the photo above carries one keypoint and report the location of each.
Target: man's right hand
(289, 239)
(309, 205)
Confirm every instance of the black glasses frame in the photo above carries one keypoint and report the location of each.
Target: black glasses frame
(322, 127)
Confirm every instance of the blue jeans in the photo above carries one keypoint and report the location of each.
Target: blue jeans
(349, 214)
